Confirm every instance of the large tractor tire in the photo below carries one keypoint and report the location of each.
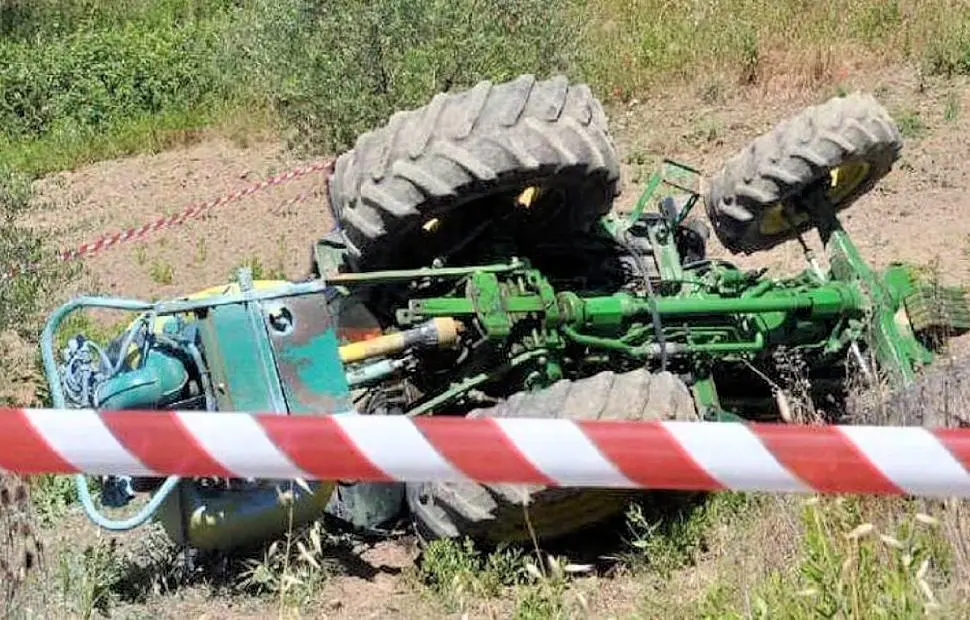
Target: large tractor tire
(497, 513)
(530, 159)
(420, 186)
(834, 152)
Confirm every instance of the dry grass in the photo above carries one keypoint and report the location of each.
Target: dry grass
(633, 47)
(21, 551)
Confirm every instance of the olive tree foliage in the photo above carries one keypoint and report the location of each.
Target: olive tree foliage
(336, 69)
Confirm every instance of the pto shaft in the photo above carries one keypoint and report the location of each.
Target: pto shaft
(438, 332)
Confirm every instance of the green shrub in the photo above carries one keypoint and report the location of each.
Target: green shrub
(32, 20)
(94, 79)
(21, 296)
(336, 69)
(82, 80)
(90, 76)
(949, 54)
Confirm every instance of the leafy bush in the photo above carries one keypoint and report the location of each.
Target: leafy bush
(90, 80)
(949, 54)
(72, 73)
(20, 297)
(336, 69)
(86, 79)
(32, 20)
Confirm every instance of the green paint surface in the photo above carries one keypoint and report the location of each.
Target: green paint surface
(319, 371)
(240, 358)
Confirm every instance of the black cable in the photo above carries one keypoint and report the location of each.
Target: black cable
(709, 261)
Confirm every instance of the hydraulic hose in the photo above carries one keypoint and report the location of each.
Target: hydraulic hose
(57, 397)
(137, 520)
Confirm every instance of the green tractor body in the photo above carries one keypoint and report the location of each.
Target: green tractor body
(516, 294)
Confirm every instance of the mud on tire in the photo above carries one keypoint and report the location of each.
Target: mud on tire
(473, 153)
(793, 164)
(496, 513)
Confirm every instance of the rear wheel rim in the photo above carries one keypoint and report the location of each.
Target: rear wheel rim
(847, 178)
(844, 180)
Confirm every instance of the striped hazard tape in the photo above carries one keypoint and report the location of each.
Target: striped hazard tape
(189, 212)
(706, 456)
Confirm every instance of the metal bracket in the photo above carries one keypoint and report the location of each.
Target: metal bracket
(674, 174)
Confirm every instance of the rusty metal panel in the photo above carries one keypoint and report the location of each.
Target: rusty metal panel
(305, 342)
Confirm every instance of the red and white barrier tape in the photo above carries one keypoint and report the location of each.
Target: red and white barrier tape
(189, 212)
(707, 456)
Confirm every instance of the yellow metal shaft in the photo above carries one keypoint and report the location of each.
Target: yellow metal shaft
(366, 349)
(436, 332)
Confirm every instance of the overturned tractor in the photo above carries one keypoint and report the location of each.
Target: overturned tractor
(478, 269)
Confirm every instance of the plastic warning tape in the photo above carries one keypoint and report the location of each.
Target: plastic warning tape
(191, 211)
(704, 456)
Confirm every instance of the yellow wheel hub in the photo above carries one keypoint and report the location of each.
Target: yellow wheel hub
(776, 220)
(846, 179)
(527, 197)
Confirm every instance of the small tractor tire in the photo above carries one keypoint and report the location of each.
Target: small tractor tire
(433, 176)
(834, 152)
(496, 513)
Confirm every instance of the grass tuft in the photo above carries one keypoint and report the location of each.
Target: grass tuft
(911, 125)
(860, 558)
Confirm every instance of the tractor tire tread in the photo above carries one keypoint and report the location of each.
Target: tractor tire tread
(495, 513)
(469, 144)
(937, 398)
(791, 158)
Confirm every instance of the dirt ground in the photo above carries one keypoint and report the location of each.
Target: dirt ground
(275, 226)
(919, 214)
